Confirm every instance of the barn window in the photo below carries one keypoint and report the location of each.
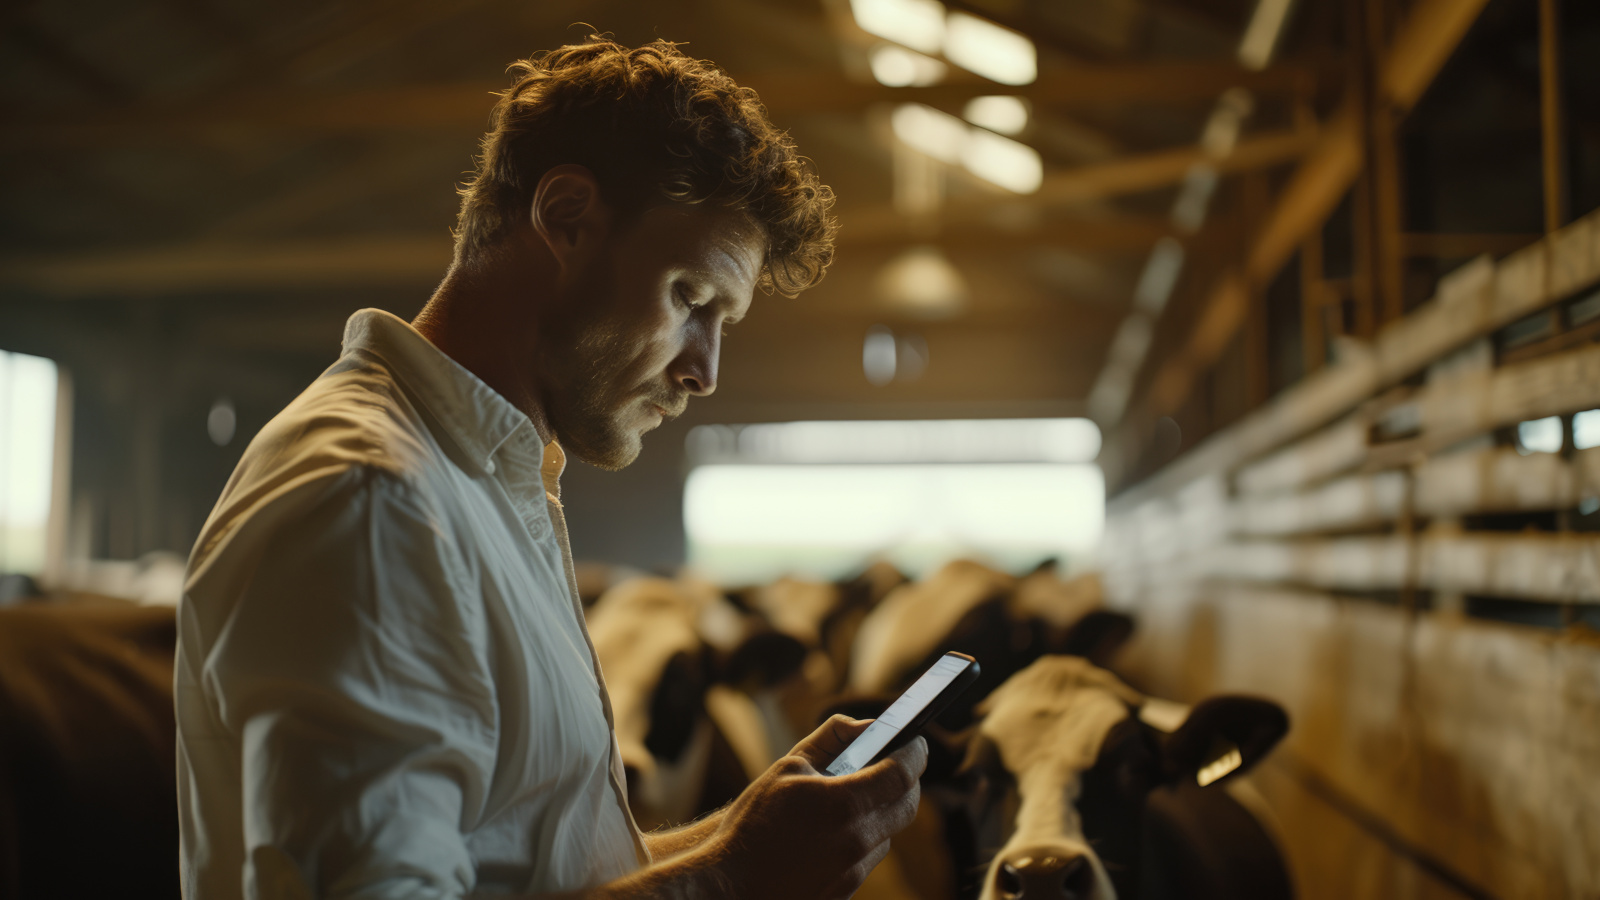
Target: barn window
(27, 444)
(1540, 435)
(1586, 430)
(821, 498)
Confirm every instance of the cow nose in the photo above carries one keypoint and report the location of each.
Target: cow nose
(1053, 874)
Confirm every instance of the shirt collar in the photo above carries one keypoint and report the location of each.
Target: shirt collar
(473, 414)
(550, 469)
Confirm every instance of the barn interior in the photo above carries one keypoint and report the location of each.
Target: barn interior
(1268, 327)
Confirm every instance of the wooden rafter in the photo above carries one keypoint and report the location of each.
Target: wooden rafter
(221, 264)
(466, 106)
(69, 64)
(227, 262)
(362, 178)
(1135, 174)
(1419, 49)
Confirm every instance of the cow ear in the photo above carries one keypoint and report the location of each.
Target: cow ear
(740, 599)
(1097, 636)
(1222, 737)
(981, 757)
(762, 660)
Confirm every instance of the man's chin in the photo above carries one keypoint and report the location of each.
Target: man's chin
(614, 452)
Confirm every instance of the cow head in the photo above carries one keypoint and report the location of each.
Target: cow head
(1061, 773)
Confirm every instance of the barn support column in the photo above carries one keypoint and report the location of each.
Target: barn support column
(1313, 303)
(149, 402)
(1551, 120)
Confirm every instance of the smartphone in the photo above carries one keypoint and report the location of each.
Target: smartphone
(926, 698)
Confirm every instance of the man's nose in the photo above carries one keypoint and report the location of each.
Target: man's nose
(695, 369)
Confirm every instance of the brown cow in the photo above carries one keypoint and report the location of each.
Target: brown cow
(88, 791)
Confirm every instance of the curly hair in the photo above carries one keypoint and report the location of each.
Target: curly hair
(655, 127)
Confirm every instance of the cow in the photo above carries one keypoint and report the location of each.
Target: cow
(1003, 621)
(680, 663)
(823, 616)
(87, 739)
(1086, 798)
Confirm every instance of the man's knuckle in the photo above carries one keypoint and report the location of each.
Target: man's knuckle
(903, 779)
(858, 844)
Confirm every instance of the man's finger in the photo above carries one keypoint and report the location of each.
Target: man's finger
(889, 779)
(829, 740)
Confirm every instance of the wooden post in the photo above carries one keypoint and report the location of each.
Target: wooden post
(1363, 264)
(1383, 181)
(1257, 199)
(1313, 298)
(1550, 116)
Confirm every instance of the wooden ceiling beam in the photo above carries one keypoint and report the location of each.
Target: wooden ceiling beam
(1419, 49)
(1165, 168)
(226, 266)
(236, 264)
(466, 106)
(84, 72)
(369, 174)
(884, 226)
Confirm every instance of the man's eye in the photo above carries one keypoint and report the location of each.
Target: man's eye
(685, 295)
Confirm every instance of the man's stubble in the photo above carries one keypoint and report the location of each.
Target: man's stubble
(589, 417)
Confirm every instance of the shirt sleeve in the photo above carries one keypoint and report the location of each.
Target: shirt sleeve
(352, 670)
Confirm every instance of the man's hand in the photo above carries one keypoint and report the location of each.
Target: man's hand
(797, 833)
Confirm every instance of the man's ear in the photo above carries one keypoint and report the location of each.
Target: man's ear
(568, 214)
(1222, 737)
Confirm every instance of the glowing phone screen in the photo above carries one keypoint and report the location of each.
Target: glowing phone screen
(898, 715)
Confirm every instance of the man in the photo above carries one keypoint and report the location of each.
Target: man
(384, 686)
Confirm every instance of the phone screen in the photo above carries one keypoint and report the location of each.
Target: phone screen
(884, 728)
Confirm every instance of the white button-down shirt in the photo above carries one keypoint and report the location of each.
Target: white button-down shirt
(385, 687)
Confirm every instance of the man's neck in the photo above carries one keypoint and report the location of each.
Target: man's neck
(474, 319)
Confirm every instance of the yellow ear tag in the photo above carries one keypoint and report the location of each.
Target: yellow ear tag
(1229, 760)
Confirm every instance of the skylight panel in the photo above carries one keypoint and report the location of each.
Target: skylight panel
(996, 53)
(895, 66)
(1002, 114)
(918, 24)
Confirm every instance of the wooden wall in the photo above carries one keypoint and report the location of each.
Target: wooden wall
(1362, 548)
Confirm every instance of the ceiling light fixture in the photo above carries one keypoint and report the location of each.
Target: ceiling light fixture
(996, 53)
(923, 281)
(938, 134)
(996, 159)
(895, 66)
(1000, 160)
(1002, 114)
(918, 24)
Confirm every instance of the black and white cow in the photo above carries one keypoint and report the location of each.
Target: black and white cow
(680, 664)
(823, 616)
(1086, 799)
(1003, 621)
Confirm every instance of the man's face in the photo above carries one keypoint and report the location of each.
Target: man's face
(640, 327)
